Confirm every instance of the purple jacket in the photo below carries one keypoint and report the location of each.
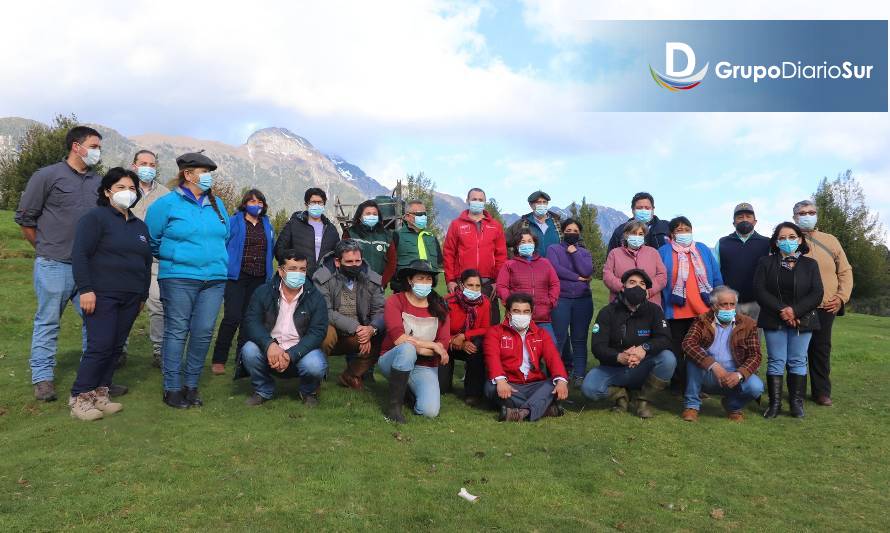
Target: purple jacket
(569, 267)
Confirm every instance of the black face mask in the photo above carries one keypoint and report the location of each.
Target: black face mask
(744, 227)
(634, 295)
(351, 272)
(571, 238)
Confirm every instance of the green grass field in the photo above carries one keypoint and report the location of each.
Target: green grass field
(342, 467)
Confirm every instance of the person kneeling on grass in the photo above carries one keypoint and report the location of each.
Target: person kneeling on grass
(723, 355)
(513, 352)
(285, 323)
(632, 342)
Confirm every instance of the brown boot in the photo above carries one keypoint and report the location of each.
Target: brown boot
(45, 391)
(83, 407)
(689, 415)
(512, 414)
(618, 395)
(351, 377)
(650, 387)
(103, 402)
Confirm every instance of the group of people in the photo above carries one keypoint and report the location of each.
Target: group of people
(679, 315)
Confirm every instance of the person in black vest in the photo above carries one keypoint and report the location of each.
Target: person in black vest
(738, 254)
(643, 207)
(309, 232)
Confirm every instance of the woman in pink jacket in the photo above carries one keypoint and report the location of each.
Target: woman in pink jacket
(633, 253)
(530, 273)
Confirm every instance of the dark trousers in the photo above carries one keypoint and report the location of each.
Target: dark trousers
(679, 329)
(819, 355)
(571, 322)
(107, 331)
(235, 302)
(488, 289)
(536, 397)
(474, 372)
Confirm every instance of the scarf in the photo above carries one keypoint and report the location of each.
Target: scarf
(469, 307)
(686, 255)
(788, 261)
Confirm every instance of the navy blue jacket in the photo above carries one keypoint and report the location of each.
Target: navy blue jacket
(111, 253)
(235, 244)
(738, 261)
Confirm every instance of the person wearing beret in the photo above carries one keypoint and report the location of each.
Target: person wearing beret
(188, 229)
(543, 224)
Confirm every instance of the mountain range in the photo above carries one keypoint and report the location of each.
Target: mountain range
(277, 161)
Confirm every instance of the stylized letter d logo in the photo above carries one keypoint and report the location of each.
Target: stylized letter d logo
(669, 49)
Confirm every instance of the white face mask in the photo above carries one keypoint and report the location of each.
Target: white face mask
(123, 199)
(93, 156)
(520, 322)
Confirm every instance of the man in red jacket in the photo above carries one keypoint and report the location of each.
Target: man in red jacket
(475, 240)
(513, 352)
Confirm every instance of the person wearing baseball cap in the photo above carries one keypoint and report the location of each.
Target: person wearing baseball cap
(543, 223)
(738, 254)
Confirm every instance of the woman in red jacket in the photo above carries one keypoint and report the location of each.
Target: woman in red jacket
(530, 273)
(469, 313)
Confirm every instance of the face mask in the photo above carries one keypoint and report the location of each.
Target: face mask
(643, 215)
(571, 238)
(541, 209)
(420, 221)
(295, 280)
(744, 227)
(146, 174)
(807, 222)
(726, 315)
(93, 156)
(123, 199)
(683, 239)
(789, 246)
(635, 295)
(316, 210)
(520, 322)
(370, 220)
(635, 241)
(205, 181)
(351, 271)
(253, 210)
(476, 206)
(472, 295)
(422, 290)
(526, 250)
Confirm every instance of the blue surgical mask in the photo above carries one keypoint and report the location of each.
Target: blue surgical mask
(146, 174)
(295, 280)
(542, 209)
(683, 239)
(472, 295)
(476, 206)
(807, 222)
(205, 181)
(636, 241)
(526, 249)
(253, 210)
(316, 210)
(789, 246)
(370, 220)
(643, 215)
(420, 221)
(422, 290)
(726, 316)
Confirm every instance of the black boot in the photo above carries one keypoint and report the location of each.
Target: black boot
(191, 397)
(774, 386)
(797, 389)
(175, 399)
(398, 384)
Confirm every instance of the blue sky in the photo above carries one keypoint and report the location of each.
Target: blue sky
(473, 94)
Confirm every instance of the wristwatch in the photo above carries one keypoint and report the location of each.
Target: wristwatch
(741, 377)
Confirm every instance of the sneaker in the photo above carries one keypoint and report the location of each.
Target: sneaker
(83, 406)
(255, 400)
(309, 400)
(103, 402)
(175, 399)
(117, 390)
(689, 415)
(191, 397)
(218, 369)
(45, 391)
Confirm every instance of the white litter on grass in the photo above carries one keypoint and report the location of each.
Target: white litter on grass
(466, 495)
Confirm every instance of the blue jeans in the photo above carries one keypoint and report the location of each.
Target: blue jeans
(571, 318)
(786, 347)
(698, 379)
(311, 369)
(190, 310)
(599, 379)
(423, 381)
(54, 287)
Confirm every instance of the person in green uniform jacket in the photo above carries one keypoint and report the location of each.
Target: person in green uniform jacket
(375, 241)
(413, 241)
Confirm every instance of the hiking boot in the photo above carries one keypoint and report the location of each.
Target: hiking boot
(823, 400)
(512, 414)
(309, 400)
(774, 387)
(115, 390)
(218, 369)
(83, 407)
(191, 397)
(175, 399)
(103, 402)
(689, 415)
(735, 416)
(398, 385)
(255, 400)
(554, 409)
(156, 357)
(650, 387)
(619, 396)
(350, 381)
(45, 391)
